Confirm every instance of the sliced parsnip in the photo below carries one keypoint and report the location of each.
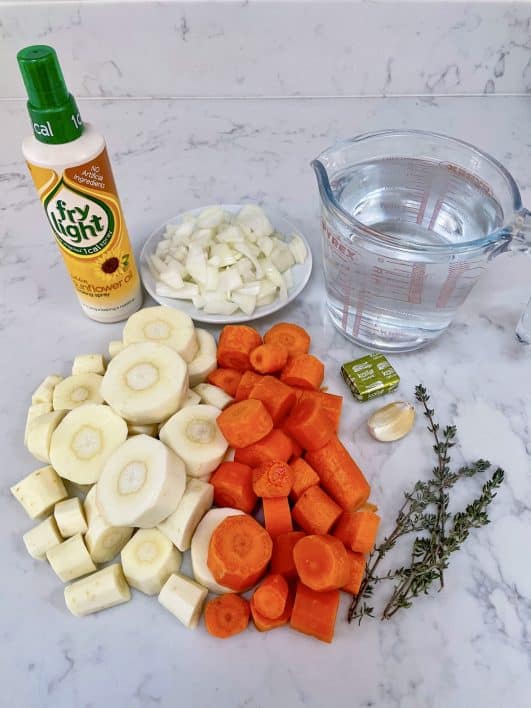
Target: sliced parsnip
(98, 591)
(184, 599)
(44, 391)
(103, 541)
(148, 560)
(41, 538)
(39, 491)
(77, 390)
(213, 395)
(162, 325)
(146, 382)
(40, 432)
(34, 411)
(193, 434)
(71, 559)
(88, 364)
(115, 347)
(179, 527)
(192, 399)
(70, 517)
(200, 544)
(205, 360)
(141, 483)
(84, 440)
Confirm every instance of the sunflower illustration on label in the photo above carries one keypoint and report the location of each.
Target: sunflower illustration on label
(85, 216)
(81, 223)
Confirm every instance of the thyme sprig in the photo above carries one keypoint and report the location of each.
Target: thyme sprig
(425, 512)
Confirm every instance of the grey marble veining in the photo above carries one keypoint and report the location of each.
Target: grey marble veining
(308, 48)
(468, 646)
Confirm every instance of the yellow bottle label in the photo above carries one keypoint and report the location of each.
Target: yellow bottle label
(86, 218)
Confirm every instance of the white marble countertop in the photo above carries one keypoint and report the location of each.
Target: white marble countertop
(468, 646)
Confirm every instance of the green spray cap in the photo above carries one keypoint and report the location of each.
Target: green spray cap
(53, 111)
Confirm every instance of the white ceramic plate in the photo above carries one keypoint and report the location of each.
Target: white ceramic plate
(301, 272)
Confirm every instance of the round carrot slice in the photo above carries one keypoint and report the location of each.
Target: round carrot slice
(227, 615)
(239, 552)
(321, 562)
(245, 422)
(289, 336)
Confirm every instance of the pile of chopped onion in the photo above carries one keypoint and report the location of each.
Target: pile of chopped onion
(225, 262)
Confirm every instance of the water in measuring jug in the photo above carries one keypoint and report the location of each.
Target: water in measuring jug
(395, 300)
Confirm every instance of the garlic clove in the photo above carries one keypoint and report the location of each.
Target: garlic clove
(392, 422)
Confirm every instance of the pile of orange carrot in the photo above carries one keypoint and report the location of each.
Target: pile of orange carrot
(318, 525)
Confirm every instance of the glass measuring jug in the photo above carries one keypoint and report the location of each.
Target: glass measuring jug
(410, 220)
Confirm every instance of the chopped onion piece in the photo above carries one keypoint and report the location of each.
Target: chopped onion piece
(298, 249)
(281, 257)
(221, 307)
(163, 248)
(275, 276)
(252, 288)
(244, 249)
(212, 278)
(202, 237)
(230, 234)
(246, 303)
(253, 222)
(265, 244)
(211, 217)
(288, 278)
(196, 263)
(266, 288)
(179, 253)
(227, 256)
(187, 292)
(265, 300)
(229, 279)
(156, 263)
(172, 278)
(183, 232)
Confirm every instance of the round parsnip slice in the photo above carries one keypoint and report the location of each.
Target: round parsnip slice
(163, 325)
(145, 383)
(205, 360)
(193, 434)
(83, 441)
(141, 483)
(180, 526)
(200, 543)
(103, 541)
(148, 560)
(77, 390)
(98, 591)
